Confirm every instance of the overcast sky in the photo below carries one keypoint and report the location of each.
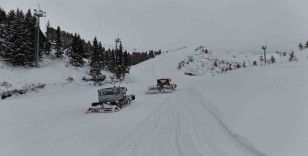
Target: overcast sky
(242, 25)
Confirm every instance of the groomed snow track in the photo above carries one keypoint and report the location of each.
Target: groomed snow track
(181, 123)
(184, 122)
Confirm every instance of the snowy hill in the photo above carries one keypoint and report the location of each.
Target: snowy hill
(204, 61)
(52, 72)
(253, 111)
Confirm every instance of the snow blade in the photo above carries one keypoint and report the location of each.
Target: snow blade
(103, 108)
(165, 89)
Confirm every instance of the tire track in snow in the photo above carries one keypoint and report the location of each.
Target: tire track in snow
(135, 136)
(148, 135)
(175, 120)
(190, 126)
(195, 139)
(176, 128)
(161, 135)
(205, 140)
(227, 136)
(184, 137)
(130, 135)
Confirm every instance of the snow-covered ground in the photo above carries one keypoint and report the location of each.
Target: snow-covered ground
(254, 111)
(268, 105)
(52, 72)
(210, 62)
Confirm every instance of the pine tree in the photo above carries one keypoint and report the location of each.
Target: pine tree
(10, 29)
(306, 45)
(244, 64)
(87, 50)
(215, 64)
(95, 64)
(80, 52)
(58, 45)
(101, 51)
(127, 61)
(113, 60)
(28, 36)
(292, 57)
(273, 60)
(47, 44)
(17, 49)
(261, 59)
(130, 59)
(151, 54)
(300, 46)
(3, 33)
(109, 59)
(120, 69)
(72, 50)
(76, 52)
(284, 54)
(157, 52)
(230, 67)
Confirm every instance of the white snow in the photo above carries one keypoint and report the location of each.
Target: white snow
(52, 71)
(254, 111)
(201, 61)
(268, 106)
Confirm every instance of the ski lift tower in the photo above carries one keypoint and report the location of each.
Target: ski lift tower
(117, 43)
(38, 13)
(264, 49)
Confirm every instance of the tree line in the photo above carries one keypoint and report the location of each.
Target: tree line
(17, 46)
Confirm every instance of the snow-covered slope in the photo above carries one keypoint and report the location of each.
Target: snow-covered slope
(205, 116)
(210, 62)
(266, 105)
(52, 72)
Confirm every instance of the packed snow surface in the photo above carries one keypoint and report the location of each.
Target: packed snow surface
(254, 111)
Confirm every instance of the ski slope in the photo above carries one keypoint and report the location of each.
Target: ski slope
(266, 105)
(205, 116)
